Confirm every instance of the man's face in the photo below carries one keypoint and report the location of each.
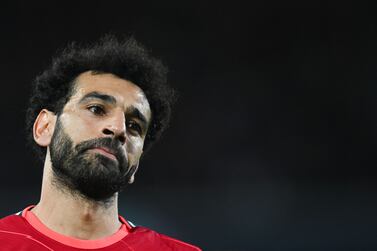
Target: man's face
(99, 136)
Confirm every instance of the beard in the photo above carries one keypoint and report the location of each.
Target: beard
(89, 174)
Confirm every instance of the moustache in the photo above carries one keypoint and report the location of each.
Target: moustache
(109, 143)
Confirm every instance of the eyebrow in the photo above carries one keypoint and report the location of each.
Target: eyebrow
(97, 95)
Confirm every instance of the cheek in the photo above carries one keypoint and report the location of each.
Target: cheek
(135, 148)
(79, 128)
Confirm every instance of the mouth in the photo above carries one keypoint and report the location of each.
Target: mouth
(105, 152)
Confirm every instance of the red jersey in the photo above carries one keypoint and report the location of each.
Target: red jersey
(24, 232)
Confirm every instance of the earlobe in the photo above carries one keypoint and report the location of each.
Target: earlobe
(44, 127)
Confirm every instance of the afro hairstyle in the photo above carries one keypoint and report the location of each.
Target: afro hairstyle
(125, 58)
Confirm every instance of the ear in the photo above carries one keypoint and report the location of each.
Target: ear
(43, 128)
(134, 169)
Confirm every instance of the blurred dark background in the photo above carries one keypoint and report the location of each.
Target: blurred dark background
(273, 140)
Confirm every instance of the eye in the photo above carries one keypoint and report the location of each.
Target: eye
(97, 110)
(134, 127)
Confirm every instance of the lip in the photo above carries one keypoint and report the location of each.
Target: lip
(104, 151)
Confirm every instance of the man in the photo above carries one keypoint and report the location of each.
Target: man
(92, 113)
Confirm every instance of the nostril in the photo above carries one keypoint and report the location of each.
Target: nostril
(122, 139)
(107, 132)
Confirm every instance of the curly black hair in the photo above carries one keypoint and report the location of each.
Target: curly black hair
(125, 58)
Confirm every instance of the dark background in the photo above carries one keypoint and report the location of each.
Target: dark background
(273, 140)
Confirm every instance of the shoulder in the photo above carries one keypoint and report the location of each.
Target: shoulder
(13, 225)
(14, 235)
(177, 244)
(15, 222)
(11, 222)
(145, 236)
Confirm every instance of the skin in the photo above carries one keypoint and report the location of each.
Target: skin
(76, 216)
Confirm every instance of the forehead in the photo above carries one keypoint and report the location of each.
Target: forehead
(125, 92)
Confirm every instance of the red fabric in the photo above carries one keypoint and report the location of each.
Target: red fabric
(16, 233)
(33, 220)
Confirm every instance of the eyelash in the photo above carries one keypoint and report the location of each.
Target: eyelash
(130, 124)
(100, 111)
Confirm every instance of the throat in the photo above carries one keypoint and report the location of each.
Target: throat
(77, 218)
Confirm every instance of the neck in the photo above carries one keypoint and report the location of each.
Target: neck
(72, 215)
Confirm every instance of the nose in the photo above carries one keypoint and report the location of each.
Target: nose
(116, 127)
